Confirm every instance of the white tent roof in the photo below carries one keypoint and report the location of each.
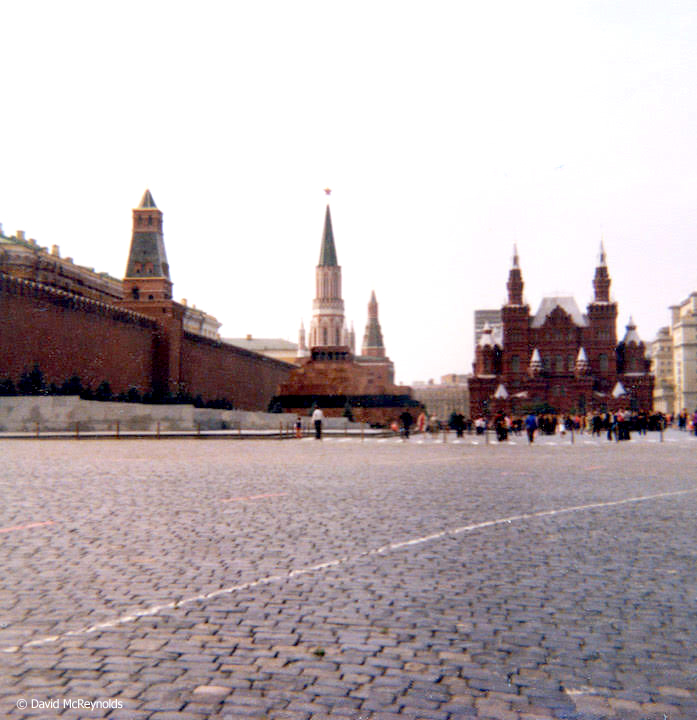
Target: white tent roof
(567, 304)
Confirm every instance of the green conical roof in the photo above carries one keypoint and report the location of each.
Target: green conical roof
(147, 256)
(147, 201)
(327, 253)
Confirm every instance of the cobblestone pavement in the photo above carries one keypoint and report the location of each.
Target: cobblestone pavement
(345, 579)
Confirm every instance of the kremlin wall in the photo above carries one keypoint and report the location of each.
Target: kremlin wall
(72, 322)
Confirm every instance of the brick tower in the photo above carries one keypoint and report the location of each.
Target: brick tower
(147, 271)
(515, 316)
(328, 327)
(147, 289)
(602, 321)
(373, 345)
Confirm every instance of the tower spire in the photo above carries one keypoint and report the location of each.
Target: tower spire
(515, 281)
(302, 345)
(373, 345)
(327, 253)
(147, 201)
(327, 327)
(601, 281)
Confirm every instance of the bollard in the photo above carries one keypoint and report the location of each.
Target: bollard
(486, 435)
(280, 430)
(660, 425)
(198, 429)
(572, 436)
(239, 429)
(362, 432)
(77, 430)
(346, 428)
(37, 429)
(158, 430)
(118, 429)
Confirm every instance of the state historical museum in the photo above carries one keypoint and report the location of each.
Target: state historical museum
(559, 359)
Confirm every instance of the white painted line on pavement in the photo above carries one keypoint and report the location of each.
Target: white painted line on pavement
(155, 609)
(253, 497)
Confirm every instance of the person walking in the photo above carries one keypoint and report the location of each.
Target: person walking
(530, 427)
(298, 427)
(317, 417)
(407, 422)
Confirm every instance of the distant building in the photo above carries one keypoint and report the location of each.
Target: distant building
(201, 323)
(27, 260)
(560, 359)
(444, 398)
(661, 352)
(330, 375)
(482, 318)
(271, 347)
(681, 340)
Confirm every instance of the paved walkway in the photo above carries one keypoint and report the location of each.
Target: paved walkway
(346, 579)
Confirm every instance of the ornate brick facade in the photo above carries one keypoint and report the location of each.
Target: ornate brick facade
(559, 358)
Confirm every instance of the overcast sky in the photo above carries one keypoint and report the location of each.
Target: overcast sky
(448, 131)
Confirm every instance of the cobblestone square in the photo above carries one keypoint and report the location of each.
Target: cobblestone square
(381, 579)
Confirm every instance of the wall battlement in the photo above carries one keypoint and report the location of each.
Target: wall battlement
(28, 288)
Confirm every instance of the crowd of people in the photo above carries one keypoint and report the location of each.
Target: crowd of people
(616, 426)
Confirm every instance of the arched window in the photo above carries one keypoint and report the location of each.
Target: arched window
(559, 364)
(602, 361)
(324, 337)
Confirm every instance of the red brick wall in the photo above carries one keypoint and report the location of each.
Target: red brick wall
(215, 370)
(66, 335)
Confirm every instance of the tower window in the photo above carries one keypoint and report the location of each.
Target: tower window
(602, 360)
